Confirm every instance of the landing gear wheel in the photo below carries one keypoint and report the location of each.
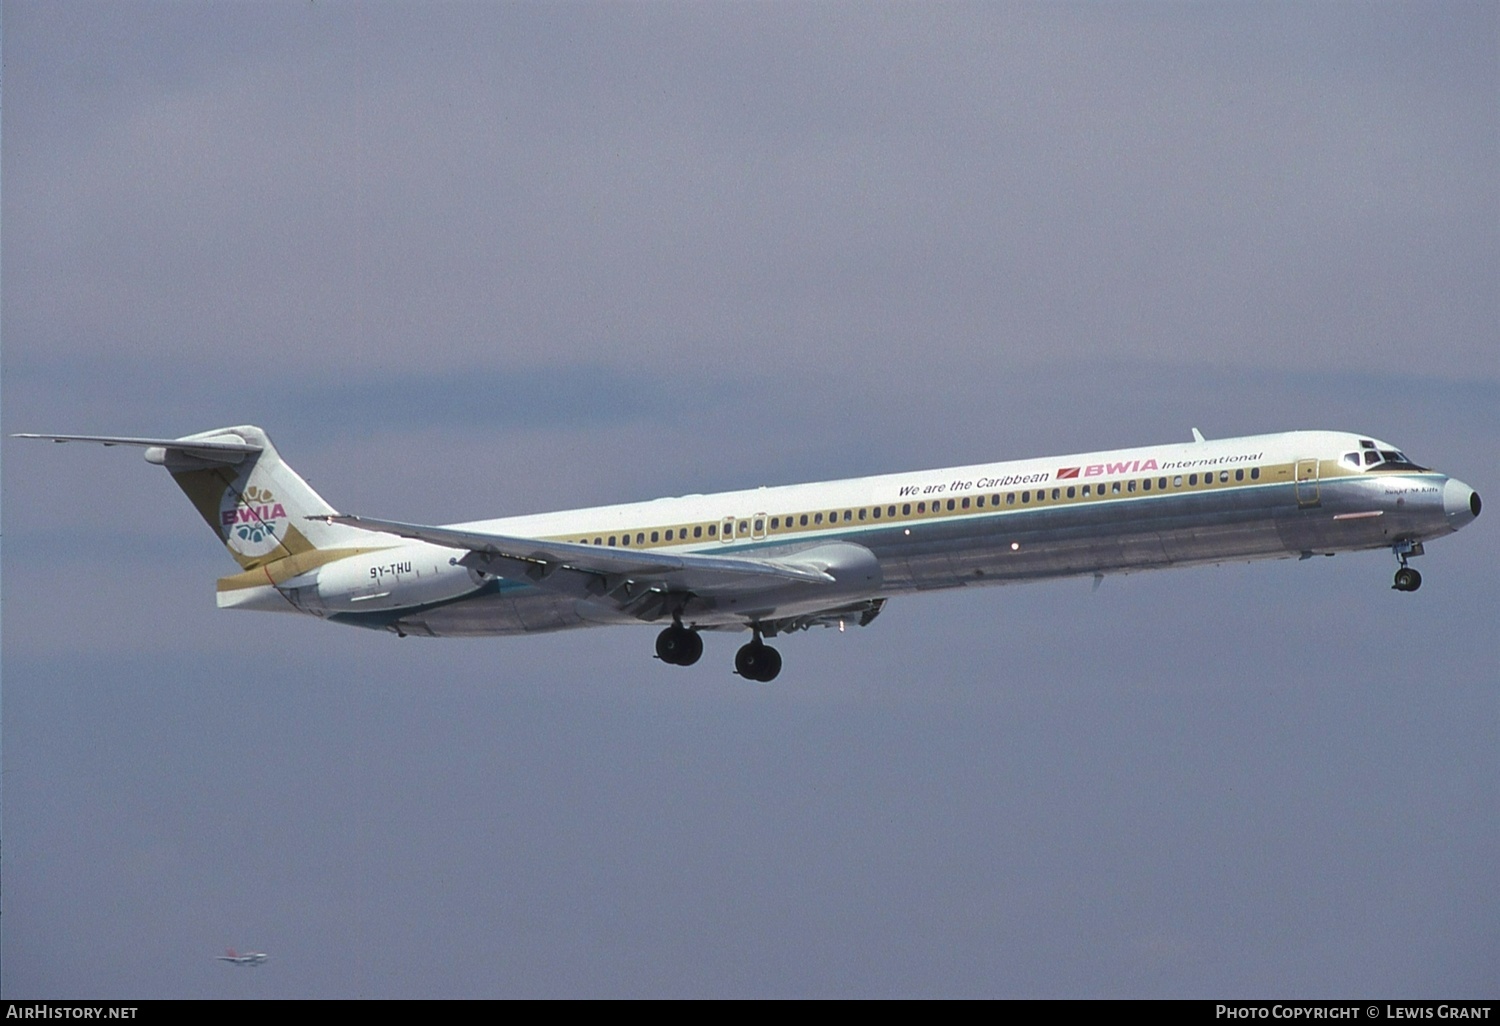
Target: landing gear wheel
(772, 665)
(1407, 579)
(679, 646)
(757, 661)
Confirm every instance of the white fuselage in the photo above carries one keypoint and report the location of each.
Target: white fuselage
(1281, 495)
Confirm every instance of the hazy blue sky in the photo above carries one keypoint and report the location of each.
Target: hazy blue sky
(473, 260)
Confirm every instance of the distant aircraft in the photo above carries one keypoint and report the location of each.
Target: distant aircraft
(784, 559)
(248, 958)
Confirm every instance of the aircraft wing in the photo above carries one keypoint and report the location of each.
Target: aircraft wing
(637, 580)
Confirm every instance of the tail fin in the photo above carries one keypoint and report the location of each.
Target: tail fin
(254, 501)
(235, 478)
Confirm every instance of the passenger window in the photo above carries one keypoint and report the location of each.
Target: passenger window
(1146, 485)
(1056, 493)
(1255, 473)
(951, 504)
(817, 518)
(598, 541)
(1130, 487)
(611, 539)
(804, 520)
(1192, 479)
(890, 511)
(906, 509)
(1177, 481)
(979, 501)
(1072, 491)
(848, 515)
(656, 536)
(1010, 498)
(1115, 487)
(1223, 476)
(1239, 475)
(877, 512)
(965, 503)
(862, 513)
(760, 525)
(1025, 496)
(922, 507)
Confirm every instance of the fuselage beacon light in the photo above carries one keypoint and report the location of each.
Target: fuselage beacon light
(778, 560)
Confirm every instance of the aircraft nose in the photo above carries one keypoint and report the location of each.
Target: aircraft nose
(1460, 502)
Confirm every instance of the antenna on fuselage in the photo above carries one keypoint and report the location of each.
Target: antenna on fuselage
(1197, 435)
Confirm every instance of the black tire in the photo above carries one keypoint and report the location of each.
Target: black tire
(747, 660)
(770, 664)
(678, 646)
(1407, 579)
(692, 647)
(757, 661)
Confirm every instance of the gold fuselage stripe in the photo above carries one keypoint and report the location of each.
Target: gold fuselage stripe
(274, 573)
(906, 510)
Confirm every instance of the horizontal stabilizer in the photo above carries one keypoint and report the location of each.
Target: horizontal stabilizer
(213, 448)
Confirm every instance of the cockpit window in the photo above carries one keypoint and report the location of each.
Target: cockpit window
(1395, 458)
(1385, 459)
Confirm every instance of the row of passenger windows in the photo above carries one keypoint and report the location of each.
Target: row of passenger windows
(756, 526)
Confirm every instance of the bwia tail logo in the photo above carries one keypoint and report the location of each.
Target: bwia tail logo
(252, 520)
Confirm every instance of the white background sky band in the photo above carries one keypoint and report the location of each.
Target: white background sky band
(487, 260)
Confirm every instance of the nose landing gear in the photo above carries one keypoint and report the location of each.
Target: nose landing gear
(1407, 579)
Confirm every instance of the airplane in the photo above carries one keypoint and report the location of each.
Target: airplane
(248, 958)
(775, 560)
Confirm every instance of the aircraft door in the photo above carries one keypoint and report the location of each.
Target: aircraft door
(1307, 483)
(758, 526)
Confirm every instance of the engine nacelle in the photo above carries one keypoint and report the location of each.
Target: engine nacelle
(396, 578)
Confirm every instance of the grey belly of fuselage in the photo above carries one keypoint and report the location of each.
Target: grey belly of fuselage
(1014, 545)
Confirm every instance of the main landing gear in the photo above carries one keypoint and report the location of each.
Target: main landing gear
(678, 646)
(757, 661)
(682, 646)
(1407, 579)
